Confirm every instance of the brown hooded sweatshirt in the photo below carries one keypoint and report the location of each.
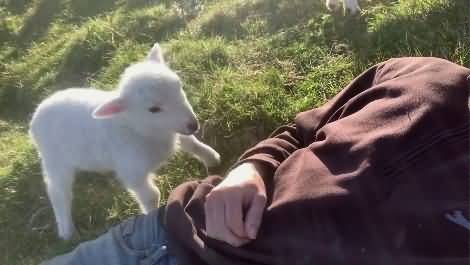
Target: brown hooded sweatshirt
(375, 176)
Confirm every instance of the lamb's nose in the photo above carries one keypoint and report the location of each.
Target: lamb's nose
(193, 126)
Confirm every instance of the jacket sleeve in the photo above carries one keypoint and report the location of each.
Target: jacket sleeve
(285, 140)
(271, 152)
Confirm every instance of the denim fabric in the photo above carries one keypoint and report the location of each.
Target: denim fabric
(140, 240)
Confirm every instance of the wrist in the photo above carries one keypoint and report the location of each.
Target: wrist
(255, 171)
(259, 167)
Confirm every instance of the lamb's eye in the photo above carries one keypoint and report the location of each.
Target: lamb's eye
(155, 109)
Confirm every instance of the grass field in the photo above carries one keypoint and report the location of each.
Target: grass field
(247, 65)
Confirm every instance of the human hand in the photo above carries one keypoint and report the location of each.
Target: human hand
(234, 208)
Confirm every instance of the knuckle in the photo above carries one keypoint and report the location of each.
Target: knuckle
(261, 198)
(236, 244)
(233, 241)
(233, 223)
(250, 187)
(211, 194)
(251, 184)
(230, 223)
(208, 204)
(227, 189)
(210, 207)
(232, 196)
(236, 229)
(211, 233)
(212, 197)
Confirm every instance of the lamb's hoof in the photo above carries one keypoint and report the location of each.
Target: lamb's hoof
(155, 47)
(333, 5)
(353, 10)
(66, 232)
(213, 161)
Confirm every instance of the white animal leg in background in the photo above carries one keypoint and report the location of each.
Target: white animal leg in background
(333, 4)
(59, 182)
(202, 151)
(146, 194)
(352, 6)
(142, 188)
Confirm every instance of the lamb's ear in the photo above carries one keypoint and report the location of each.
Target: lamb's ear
(109, 108)
(156, 54)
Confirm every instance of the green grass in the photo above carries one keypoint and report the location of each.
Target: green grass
(247, 66)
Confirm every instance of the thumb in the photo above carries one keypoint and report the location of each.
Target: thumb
(255, 215)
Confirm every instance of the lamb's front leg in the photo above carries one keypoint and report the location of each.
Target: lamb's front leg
(141, 186)
(201, 151)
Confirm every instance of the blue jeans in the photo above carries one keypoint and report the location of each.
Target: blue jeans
(140, 240)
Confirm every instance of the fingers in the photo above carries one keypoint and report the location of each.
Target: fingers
(216, 222)
(234, 215)
(242, 189)
(255, 215)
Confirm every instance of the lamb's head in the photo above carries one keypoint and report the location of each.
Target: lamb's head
(151, 99)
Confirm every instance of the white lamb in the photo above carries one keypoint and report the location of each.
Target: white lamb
(351, 5)
(129, 132)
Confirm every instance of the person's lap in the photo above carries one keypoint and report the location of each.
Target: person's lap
(139, 240)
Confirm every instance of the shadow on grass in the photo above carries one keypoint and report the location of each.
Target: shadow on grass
(27, 224)
(243, 20)
(404, 31)
(387, 30)
(38, 22)
(16, 6)
(83, 9)
(71, 59)
(22, 192)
